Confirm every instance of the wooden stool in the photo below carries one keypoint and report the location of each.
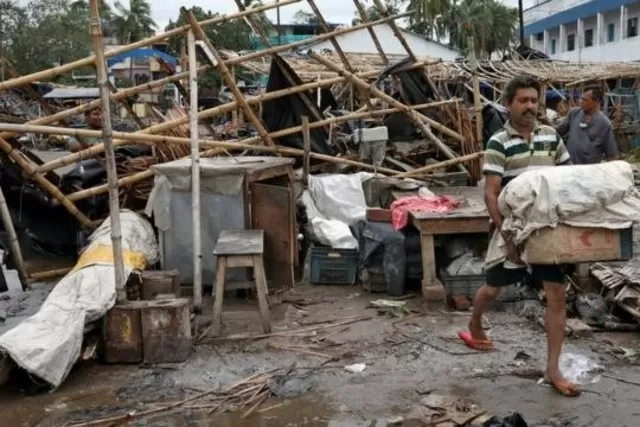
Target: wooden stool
(240, 248)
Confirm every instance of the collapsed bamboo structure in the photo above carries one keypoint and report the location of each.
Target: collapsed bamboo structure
(454, 130)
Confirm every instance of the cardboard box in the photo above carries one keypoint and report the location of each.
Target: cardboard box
(568, 245)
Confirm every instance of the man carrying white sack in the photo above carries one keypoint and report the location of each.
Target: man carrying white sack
(522, 145)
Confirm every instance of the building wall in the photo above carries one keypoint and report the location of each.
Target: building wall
(604, 49)
(361, 42)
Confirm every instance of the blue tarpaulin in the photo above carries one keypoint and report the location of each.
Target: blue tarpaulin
(141, 53)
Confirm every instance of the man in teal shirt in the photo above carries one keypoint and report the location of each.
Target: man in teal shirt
(93, 119)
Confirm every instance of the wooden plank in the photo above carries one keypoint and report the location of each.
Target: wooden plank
(240, 242)
(452, 225)
(270, 173)
(272, 210)
(378, 215)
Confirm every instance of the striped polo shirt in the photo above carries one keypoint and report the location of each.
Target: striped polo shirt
(508, 154)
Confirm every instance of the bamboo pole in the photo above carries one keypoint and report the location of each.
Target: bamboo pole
(229, 80)
(477, 101)
(306, 137)
(418, 118)
(183, 91)
(332, 40)
(372, 33)
(128, 105)
(162, 127)
(30, 169)
(122, 94)
(36, 95)
(107, 137)
(216, 147)
(137, 137)
(47, 275)
(279, 63)
(195, 172)
(313, 40)
(16, 252)
(51, 73)
(430, 168)
(398, 33)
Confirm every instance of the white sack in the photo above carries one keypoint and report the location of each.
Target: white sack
(601, 195)
(48, 343)
(333, 203)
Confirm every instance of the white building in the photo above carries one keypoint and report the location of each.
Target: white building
(360, 41)
(585, 30)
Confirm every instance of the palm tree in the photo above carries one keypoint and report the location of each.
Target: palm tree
(429, 17)
(135, 23)
(491, 24)
(106, 13)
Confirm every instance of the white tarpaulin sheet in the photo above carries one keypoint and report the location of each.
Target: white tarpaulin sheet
(48, 343)
(333, 203)
(601, 195)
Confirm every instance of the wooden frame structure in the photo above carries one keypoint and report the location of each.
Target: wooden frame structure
(457, 127)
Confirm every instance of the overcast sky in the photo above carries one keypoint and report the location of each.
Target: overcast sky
(336, 11)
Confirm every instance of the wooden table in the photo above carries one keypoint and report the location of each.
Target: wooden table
(471, 217)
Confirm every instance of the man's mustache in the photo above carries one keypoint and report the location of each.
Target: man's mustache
(529, 112)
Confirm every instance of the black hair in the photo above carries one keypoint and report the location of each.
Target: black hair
(596, 92)
(520, 82)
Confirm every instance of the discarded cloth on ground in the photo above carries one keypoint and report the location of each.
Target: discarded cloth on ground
(334, 202)
(400, 208)
(48, 343)
(601, 195)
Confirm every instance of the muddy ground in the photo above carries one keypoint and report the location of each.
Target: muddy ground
(408, 358)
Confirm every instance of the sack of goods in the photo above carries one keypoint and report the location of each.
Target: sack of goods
(569, 214)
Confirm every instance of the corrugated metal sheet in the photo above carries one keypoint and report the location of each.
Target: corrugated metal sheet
(71, 93)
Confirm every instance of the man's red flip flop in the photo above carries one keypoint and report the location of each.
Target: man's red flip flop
(480, 345)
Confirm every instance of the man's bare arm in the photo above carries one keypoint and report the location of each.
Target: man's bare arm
(492, 188)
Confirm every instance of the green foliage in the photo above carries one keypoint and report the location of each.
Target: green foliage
(233, 35)
(40, 34)
(135, 23)
(43, 33)
(492, 25)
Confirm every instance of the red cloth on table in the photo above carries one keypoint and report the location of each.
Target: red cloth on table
(400, 208)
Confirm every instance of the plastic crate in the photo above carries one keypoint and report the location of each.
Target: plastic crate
(468, 285)
(333, 266)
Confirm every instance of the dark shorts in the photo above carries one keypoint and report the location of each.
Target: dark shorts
(499, 276)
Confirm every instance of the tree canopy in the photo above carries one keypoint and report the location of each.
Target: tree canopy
(491, 24)
(43, 33)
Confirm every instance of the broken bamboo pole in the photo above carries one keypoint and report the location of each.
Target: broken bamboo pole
(306, 138)
(14, 244)
(49, 74)
(227, 77)
(313, 40)
(216, 147)
(107, 139)
(162, 127)
(279, 63)
(441, 165)
(128, 105)
(332, 40)
(418, 118)
(122, 94)
(195, 171)
(398, 33)
(30, 169)
(363, 15)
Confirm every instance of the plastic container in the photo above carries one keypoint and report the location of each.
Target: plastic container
(468, 285)
(333, 266)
